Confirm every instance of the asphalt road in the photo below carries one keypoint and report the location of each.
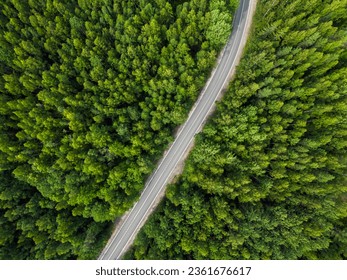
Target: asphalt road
(120, 241)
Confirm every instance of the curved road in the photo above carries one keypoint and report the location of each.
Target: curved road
(122, 239)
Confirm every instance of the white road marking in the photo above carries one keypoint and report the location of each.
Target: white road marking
(191, 118)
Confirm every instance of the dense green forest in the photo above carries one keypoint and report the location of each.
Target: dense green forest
(91, 91)
(267, 177)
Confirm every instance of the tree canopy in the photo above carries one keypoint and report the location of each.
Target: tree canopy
(267, 176)
(91, 92)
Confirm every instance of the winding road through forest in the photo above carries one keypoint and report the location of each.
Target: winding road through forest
(130, 225)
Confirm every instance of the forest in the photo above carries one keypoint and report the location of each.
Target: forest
(267, 176)
(91, 94)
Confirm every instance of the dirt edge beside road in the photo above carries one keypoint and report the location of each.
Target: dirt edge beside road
(180, 165)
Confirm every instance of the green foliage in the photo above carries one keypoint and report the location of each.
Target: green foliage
(267, 178)
(90, 94)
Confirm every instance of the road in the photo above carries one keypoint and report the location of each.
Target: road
(218, 81)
